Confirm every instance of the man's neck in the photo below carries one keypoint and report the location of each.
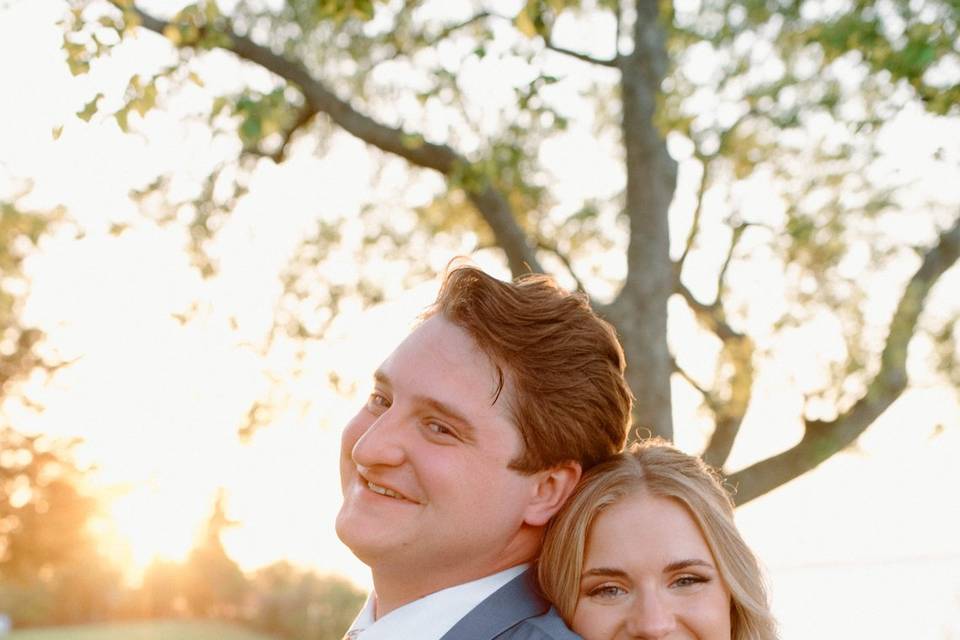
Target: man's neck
(396, 589)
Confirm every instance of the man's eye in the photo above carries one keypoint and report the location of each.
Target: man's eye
(377, 401)
(439, 429)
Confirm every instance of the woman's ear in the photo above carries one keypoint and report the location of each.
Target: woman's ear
(553, 487)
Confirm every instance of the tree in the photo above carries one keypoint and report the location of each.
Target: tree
(161, 590)
(785, 96)
(20, 233)
(213, 584)
(42, 511)
(301, 605)
(207, 584)
(51, 570)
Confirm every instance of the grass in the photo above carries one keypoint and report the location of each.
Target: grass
(162, 630)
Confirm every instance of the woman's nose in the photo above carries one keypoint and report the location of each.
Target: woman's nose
(651, 617)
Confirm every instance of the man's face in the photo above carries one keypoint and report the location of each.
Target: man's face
(423, 465)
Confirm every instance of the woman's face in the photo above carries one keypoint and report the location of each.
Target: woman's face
(648, 573)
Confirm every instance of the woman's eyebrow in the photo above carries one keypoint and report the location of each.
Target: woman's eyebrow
(609, 572)
(683, 564)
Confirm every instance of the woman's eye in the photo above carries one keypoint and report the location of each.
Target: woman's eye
(607, 591)
(686, 581)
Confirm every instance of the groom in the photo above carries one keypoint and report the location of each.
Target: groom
(477, 429)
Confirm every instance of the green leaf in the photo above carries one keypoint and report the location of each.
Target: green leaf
(117, 228)
(109, 22)
(211, 11)
(89, 109)
(251, 128)
(121, 117)
(525, 20)
(172, 33)
(78, 58)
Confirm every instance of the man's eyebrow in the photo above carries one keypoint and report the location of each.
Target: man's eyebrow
(467, 430)
(683, 564)
(605, 572)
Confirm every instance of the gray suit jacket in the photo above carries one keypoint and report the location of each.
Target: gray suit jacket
(516, 611)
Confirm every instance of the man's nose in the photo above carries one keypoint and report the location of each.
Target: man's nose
(381, 444)
(651, 616)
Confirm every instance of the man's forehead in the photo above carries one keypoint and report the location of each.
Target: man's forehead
(431, 394)
(441, 358)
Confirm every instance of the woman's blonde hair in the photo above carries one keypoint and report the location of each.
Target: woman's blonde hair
(656, 467)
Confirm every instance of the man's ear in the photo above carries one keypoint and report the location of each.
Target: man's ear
(553, 487)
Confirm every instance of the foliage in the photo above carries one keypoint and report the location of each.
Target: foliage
(302, 605)
(280, 599)
(20, 234)
(213, 584)
(786, 98)
(163, 630)
(161, 593)
(50, 568)
(208, 584)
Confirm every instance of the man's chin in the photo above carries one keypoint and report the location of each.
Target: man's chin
(364, 536)
(373, 553)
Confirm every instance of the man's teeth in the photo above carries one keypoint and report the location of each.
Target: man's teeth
(383, 491)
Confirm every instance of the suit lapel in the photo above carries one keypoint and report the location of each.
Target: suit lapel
(515, 601)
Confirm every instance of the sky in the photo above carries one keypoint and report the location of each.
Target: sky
(867, 545)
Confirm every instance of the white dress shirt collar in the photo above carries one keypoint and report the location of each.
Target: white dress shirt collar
(431, 616)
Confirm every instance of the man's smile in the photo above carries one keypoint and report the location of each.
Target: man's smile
(383, 490)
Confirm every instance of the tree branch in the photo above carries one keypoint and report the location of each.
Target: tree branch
(583, 57)
(734, 241)
(710, 316)
(618, 16)
(444, 33)
(449, 30)
(697, 214)
(552, 248)
(305, 116)
(492, 204)
(738, 351)
(823, 439)
(728, 414)
(707, 395)
(548, 43)
(705, 160)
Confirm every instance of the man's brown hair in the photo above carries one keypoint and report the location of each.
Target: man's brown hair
(570, 400)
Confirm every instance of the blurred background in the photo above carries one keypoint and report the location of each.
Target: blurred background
(219, 216)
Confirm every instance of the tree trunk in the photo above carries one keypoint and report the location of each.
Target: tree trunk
(640, 310)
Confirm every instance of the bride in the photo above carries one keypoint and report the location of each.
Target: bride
(647, 548)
